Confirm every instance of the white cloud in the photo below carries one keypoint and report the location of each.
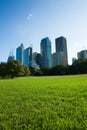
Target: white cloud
(29, 16)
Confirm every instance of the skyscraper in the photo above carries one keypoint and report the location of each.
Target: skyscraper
(27, 57)
(82, 54)
(61, 50)
(46, 52)
(39, 60)
(19, 53)
(57, 58)
(34, 56)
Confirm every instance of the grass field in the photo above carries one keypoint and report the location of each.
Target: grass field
(44, 103)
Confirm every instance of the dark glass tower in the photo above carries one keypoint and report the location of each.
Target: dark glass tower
(82, 54)
(61, 50)
(28, 57)
(39, 60)
(46, 52)
(19, 53)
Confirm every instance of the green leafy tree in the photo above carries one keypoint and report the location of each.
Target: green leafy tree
(3, 70)
(59, 70)
(26, 71)
(15, 69)
(80, 66)
(38, 73)
(32, 70)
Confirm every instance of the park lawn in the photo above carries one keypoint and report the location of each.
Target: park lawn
(44, 103)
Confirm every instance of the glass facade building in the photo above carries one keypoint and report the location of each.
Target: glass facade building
(57, 58)
(82, 54)
(61, 50)
(27, 57)
(39, 60)
(46, 52)
(19, 53)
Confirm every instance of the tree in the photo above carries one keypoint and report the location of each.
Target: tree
(3, 70)
(32, 70)
(38, 73)
(26, 71)
(15, 69)
(59, 70)
(46, 71)
(80, 66)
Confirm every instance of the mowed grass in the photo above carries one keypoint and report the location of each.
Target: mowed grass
(44, 103)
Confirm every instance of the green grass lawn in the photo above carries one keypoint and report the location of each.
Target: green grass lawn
(44, 103)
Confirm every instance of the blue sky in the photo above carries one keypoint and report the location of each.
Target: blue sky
(28, 21)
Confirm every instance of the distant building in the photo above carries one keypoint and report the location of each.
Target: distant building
(57, 58)
(61, 50)
(39, 60)
(27, 57)
(34, 56)
(19, 53)
(82, 54)
(46, 52)
(10, 58)
(34, 61)
(34, 65)
(54, 59)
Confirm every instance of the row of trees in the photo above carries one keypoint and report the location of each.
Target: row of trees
(78, 67)
(16, 69)
(13, 69)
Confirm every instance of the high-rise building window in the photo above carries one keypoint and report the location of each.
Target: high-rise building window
(61, 50)
(19, 53)
(27, 57)
(46, 52)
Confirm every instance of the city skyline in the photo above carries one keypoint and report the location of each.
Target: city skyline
(45, 58)
(29, 21)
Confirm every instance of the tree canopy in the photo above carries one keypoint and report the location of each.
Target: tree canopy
(13, 69)
(16, 69)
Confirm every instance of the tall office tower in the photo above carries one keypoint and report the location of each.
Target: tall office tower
(34, 61)
(61, 50)
(19, 53)
(82, 54)
(57, 58)
(46, 52)
(54, 59)
(34, 56)
(27, 57)
(39, 60)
